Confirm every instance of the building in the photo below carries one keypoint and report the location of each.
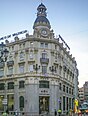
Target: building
(81, 95)
(40, 73)
(86, 91)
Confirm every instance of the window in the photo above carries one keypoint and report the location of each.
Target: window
(43, 84)
(44, 69)
(21, 102)
(1, 71)
(44, 55)
(55, 46)
(63, 103)
(31, 55)
(31, 67)
(67, 89)
(21, 84)
(10, 70)
(21, 68)
(2, 86)
(11, 85)
(42, 45)
(64, 88)
(72, 91)
(60, 86)
(46, 45)
(21, 56)
(60, 70)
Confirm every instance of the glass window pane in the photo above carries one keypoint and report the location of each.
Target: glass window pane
(1, 72)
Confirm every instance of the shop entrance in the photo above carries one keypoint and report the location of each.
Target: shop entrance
(43, 104)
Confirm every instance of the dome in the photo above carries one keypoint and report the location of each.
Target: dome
(41, 17)
(41, 20)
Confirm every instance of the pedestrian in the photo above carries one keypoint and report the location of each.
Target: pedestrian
(59, 112)
(55, 113)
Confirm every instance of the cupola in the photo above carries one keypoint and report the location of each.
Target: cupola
(41, 19)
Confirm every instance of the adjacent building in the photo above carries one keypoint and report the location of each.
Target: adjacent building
(86, 91)
(81, 95)
(40, 73)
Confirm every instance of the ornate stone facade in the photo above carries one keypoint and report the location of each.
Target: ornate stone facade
(40, 73)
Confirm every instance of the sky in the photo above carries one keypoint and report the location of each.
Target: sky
(69, 18)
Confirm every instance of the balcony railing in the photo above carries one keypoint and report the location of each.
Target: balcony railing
(44, 60)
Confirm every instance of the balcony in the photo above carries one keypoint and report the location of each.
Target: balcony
(10, 63)
(44, 60)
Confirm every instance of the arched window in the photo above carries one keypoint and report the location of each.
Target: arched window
(21, 102)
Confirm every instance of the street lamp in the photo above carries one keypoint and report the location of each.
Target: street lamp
(52, 69)
(36, 67)
(3, 58)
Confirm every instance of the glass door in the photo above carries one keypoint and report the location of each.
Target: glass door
(43, 104)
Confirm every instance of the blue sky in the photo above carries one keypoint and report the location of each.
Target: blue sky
(69, 18)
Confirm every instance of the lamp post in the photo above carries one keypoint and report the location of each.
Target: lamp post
(36, 67)
(3, 58)
(52, 69)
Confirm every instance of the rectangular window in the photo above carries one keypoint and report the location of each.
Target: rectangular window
(11, 85)
(31, 55)
(21, 84)
(46, 45)
(63, 103)
(31, 67)
(43, 84)
(21, 68)
(42, 45)
(67, 89)
(44, 55)
(64, 88)
(2, 85)
(44, 69)
(10, 70)
(60, 86)
(21, 56)
(1, 72)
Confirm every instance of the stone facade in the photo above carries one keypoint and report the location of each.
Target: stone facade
(40, 74)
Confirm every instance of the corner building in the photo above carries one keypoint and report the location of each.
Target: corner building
(40, 74)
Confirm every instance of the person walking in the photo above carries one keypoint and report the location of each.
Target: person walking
(55, 113)
(59, 112)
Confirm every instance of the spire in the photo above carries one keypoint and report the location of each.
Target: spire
(41, 19)
(41, 10)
